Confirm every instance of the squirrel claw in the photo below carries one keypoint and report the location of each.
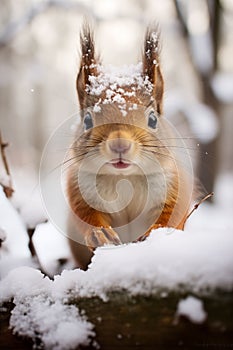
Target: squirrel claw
(143, 237)
(147, 234)
(102, 236)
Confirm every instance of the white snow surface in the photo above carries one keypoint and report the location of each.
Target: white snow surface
(29, 203)
(2, 235)
(5, 180)
(11, 223)
(196, 261)
(192, 308)
(46, 235)
(14, 251)
(168, 260)
(40, 313)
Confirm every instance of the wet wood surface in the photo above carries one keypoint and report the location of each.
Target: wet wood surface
(145, 323)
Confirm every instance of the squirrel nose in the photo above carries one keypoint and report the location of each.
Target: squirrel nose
(119, 145)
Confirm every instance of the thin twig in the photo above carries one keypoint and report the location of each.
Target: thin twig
(198, 204)
(2, 236)
(8, 190)
(31, 246)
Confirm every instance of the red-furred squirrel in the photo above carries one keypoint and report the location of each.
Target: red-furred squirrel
(125, 178)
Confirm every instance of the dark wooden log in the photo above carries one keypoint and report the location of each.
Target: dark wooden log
(7, 339)
(146, 323)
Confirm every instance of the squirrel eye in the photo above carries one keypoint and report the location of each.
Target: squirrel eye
(152, 120)
(88, 122)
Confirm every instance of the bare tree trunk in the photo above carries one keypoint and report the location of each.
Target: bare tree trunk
(209, 164)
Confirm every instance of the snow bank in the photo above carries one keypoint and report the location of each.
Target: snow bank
(57, 325)
(14, 250)
(169, 260)
(13, 234)
(10, 222)
(51, 246)
(39, 315)
(16, 238)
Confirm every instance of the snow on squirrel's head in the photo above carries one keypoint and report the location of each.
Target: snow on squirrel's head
(121, 108)
(126, 87)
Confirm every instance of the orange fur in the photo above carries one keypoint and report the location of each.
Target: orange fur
(161, 190)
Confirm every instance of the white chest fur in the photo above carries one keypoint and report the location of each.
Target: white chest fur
(132, 201)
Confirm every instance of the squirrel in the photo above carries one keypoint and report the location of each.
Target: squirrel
(124, 178)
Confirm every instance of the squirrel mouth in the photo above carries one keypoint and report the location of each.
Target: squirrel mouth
(120, 163)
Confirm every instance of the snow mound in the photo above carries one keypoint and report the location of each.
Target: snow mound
(168, 260)
(42, 318)
(39, 315)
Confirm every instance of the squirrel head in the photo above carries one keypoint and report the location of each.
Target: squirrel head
(90, 68)
(121, 108)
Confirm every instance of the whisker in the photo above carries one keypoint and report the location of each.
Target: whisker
(178, 138)
(64, 169)
(77, 157)
(167, 156)
(172, 146)
(157, 153)
(61, 164)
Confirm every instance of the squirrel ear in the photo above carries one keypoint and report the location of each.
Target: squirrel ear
(88, 63)
(151, 64)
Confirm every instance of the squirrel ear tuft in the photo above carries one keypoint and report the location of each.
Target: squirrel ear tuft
(88, 65)
(151, 64)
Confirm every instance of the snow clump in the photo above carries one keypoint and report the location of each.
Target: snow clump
(118, 84)
(192, 308)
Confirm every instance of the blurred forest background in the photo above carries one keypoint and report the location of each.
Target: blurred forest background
(39, 57)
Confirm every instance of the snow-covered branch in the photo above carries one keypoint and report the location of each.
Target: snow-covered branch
(5, 179)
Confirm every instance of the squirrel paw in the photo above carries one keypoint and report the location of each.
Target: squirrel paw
(101, 236)
(147, 234)
(143, 237)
